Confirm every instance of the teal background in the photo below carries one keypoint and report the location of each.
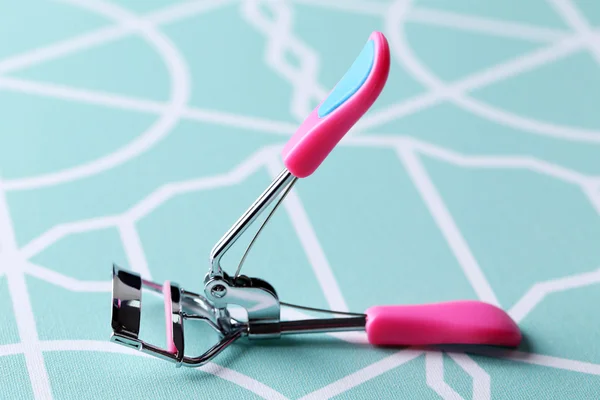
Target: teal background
(137, 132)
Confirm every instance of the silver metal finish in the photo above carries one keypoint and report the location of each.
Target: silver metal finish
(126, 307)
(218, 291)
(320, 310)
(177, 320)
(233, 234)
(260, 229)
(323, 325)
(256, 296)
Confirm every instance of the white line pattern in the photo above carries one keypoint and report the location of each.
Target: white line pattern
(481, 379)
(12, 262)
(363, 375)
(458, 91)
(447, 226)
(307, 91)
(281, 41)
(542, 289)
(180, 83)
(434, 375)
(310, 243)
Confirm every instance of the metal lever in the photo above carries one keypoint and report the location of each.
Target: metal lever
(284, 180)
(304, 152)
(126, 317)
(457, 322)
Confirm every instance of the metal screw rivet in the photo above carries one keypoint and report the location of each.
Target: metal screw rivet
(218, 291)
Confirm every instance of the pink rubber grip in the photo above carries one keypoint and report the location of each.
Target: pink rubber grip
(317, 136)
(459, 322)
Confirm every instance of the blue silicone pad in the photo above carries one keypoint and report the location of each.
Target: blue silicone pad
(351, 81)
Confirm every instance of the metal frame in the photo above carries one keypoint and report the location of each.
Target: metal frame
(256, 296)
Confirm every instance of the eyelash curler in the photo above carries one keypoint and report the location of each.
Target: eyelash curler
(458, 322)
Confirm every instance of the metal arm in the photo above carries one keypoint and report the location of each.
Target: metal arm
(283, 180)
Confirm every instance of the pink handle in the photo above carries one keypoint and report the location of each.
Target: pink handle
(459, 322)
(354, 94)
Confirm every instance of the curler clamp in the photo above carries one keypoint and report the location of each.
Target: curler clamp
(460, 322)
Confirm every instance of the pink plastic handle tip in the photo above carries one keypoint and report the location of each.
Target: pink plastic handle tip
(459, 322)
(318, 135)
(166, 289)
